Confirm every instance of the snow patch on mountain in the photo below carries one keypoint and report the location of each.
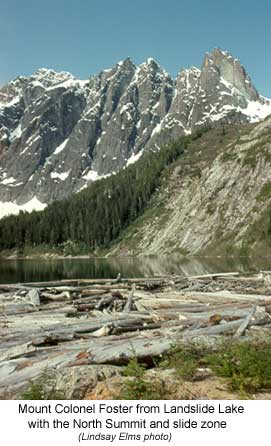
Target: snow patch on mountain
(134, 157)
(8, 208)
(10, 180)
(61, 147)
(257, 110)
(17, 133)
(60, 176)
(92, 175)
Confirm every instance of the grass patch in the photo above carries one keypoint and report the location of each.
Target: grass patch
(250, 158)
(185, 360)
(256, 150)
(265, 193)
(228, 156)
(137, 387)
(245, 365)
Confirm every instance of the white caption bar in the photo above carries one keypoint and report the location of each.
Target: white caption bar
(73, 423)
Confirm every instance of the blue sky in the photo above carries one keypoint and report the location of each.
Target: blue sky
(86, 36)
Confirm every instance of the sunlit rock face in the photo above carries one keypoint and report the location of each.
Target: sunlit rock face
(58, 133)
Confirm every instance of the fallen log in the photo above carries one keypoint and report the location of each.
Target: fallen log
(88, 299)
(129, 303)
(104, 302)
(56, 297)
(225, 328)
(121, 353)
(244, 325)
(17, 351)
(229, 295)
(105, 330)
(51, 340)
(108, 282)
(142, 327)
(86, 307)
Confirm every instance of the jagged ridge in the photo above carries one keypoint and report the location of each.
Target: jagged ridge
(58, 133)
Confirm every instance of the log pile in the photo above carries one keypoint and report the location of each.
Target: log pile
(85, 323)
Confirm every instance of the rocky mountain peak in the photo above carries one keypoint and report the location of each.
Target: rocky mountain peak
(13, 91)
(58, 133)
(150, 65)
(222, 64)
(126, 63)
(50, 78)
(151, 69)
(100, 82)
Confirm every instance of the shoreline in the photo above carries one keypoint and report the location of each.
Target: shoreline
(51, 256)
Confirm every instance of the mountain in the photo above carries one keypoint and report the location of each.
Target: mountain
(214, 200)
(208, 193)
(58, 133)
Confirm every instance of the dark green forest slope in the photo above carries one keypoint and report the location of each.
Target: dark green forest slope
(95, 216)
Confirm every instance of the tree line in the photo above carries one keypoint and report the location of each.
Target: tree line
(95, 216)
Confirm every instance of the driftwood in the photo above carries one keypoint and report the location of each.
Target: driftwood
(33, 296)
(129, 303)
(104, 302)
(56, 297)
(216, 275)
(243, 326)
(63, 324)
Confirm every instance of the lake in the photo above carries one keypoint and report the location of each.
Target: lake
(37, 270)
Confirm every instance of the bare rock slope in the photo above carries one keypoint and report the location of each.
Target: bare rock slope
(215, 200)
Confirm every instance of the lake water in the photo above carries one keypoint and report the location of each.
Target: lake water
(19, 271)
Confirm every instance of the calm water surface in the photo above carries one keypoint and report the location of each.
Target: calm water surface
(14, 271)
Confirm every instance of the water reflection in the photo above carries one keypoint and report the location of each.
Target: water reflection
(14, 270)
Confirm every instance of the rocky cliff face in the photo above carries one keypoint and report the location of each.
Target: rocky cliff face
(58, 133)
(215, 201)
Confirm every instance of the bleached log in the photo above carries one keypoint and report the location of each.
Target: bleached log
(86, 307)
(139, 306)
(89, 327)
(17, 351)
(107, 282)
(135, 327)
(94, 292)
(87, 300)
(33, 297)
(120, 353)
(243, 326)
(105, 330)
(129, 303)
(225, 328)
(57, 297)
(211, 276)
(104, 302)
(14, 287)
(225, 294)
(52, 339)
(261, 316)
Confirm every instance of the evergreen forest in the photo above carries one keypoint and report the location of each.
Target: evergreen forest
(95, 216)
